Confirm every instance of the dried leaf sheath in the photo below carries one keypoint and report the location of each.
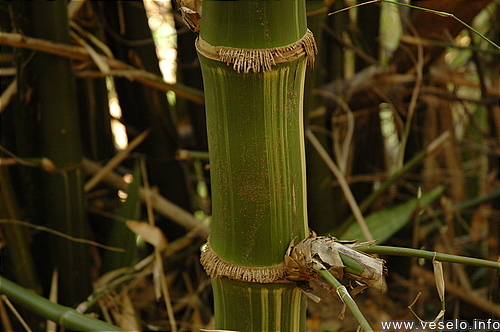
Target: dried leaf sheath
(305, 258)
(255, 60)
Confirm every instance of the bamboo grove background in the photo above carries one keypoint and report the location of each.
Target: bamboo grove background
(404, 101)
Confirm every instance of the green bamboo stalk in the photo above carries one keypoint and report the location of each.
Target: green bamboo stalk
(62, 315)
(62, 191)
(319, 192)
(96, 119)
(255, 128)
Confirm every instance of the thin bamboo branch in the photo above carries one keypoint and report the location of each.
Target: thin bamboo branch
(115, 161)
(346, 299)
(15, 312)
(428, 10)
(60, 234)
(4, 317)
(343, 184)
(160, 204)
(79, 53)
(8, 94)
(429, 255)
(445, 14)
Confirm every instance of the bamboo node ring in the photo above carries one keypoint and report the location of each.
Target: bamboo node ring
(255, 60)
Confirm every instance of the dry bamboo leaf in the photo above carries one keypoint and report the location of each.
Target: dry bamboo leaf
(151, 234)
(191, 13)
(439, 276)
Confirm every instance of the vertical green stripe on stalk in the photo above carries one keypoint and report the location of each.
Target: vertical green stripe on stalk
(259, 307)
(256, 154)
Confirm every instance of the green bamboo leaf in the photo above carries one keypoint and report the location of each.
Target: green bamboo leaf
(383, 224)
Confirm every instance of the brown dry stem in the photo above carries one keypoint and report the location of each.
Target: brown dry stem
(119, 68)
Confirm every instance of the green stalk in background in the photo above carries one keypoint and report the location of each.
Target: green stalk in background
(256, 142)
(64, 316)
(62, 192)
(320, 193)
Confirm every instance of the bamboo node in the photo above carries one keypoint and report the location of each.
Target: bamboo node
(255, 60)
(302, 263)
(216, 267)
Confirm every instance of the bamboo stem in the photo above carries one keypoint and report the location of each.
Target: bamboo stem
(62, 315)
(429, 255)
(347, 299)
(59, 135)
(253, 56)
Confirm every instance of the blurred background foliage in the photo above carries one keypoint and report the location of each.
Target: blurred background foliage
(405, 103)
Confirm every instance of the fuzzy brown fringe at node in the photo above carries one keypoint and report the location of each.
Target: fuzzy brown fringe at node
(302, 262)
(217, 267)
(255, 60)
